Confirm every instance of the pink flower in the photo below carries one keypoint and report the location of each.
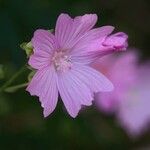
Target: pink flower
(62, 62)
(130, 99)
(134, 109)
(122, 73)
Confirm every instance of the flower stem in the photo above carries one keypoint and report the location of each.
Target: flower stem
(15, 88)
(7, 83)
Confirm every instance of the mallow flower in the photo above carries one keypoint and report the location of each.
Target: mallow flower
(130, 100)
(62, 61)
(133, 111)
(122, 72)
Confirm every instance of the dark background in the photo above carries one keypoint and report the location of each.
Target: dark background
(22, 126)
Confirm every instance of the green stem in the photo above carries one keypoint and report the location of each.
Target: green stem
(7, 83)
(15, 88)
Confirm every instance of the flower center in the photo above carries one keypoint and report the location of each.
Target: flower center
(61, 61)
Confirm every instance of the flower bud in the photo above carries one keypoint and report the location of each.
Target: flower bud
(27, 47)
(117, 41)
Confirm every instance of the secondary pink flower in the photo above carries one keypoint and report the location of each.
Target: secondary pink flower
(130, 100)
(134, 109)
(62, 62)
(122, 73)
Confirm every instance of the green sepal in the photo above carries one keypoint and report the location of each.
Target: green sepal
(31, 74)
(27, 47)
(51, 30)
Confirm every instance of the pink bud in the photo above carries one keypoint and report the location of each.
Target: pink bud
(117, 41)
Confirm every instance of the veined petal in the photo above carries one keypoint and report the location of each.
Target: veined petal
(74, 92)
(37, 61)
(89, 47)
(69, 30)
(72, 104)
(44, 86)
(44, 40)
(44, 45)
(89, 75)
(88, 41)
(117, 41)
(76, 89)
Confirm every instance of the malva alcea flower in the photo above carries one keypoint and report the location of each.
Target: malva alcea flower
(62, 62)
(122, 72)
(129, 101)
(133, 111)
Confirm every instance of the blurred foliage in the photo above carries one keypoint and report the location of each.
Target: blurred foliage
(22, 126)
(1, 72)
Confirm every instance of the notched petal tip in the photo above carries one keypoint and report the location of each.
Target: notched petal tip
(63, 15)
(45, 113)
(29, 91)
(93, 16)
(73, 115)
(37, 32)
(90, 18)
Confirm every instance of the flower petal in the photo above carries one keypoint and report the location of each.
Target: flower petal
(74, 92)
(44, 86)
(76, 89)
(39, 61)
(89, 47)
(44, 40)
(89, 75)
(87, 42)
(69, 30)
(44, 44)
(117, 41)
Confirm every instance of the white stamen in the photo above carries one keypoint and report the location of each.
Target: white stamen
(61, 61)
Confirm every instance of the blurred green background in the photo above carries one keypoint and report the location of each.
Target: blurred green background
(22, 126)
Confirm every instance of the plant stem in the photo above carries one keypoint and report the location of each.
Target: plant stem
(15, 87)
(7, 83)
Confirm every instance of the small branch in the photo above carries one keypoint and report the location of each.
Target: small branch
(15, 88)
(11, 80)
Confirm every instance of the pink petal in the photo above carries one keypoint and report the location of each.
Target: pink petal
(76, 89)
(89, 47)
(89, 75)
(74, 92)
(118, 41)
(107, 102)
(44, 40)
(37, 61)
(134, 112)
(68, 30)
(122, 72)
(87, 42)
(44, 44)
(44, 86)
(86, 21)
